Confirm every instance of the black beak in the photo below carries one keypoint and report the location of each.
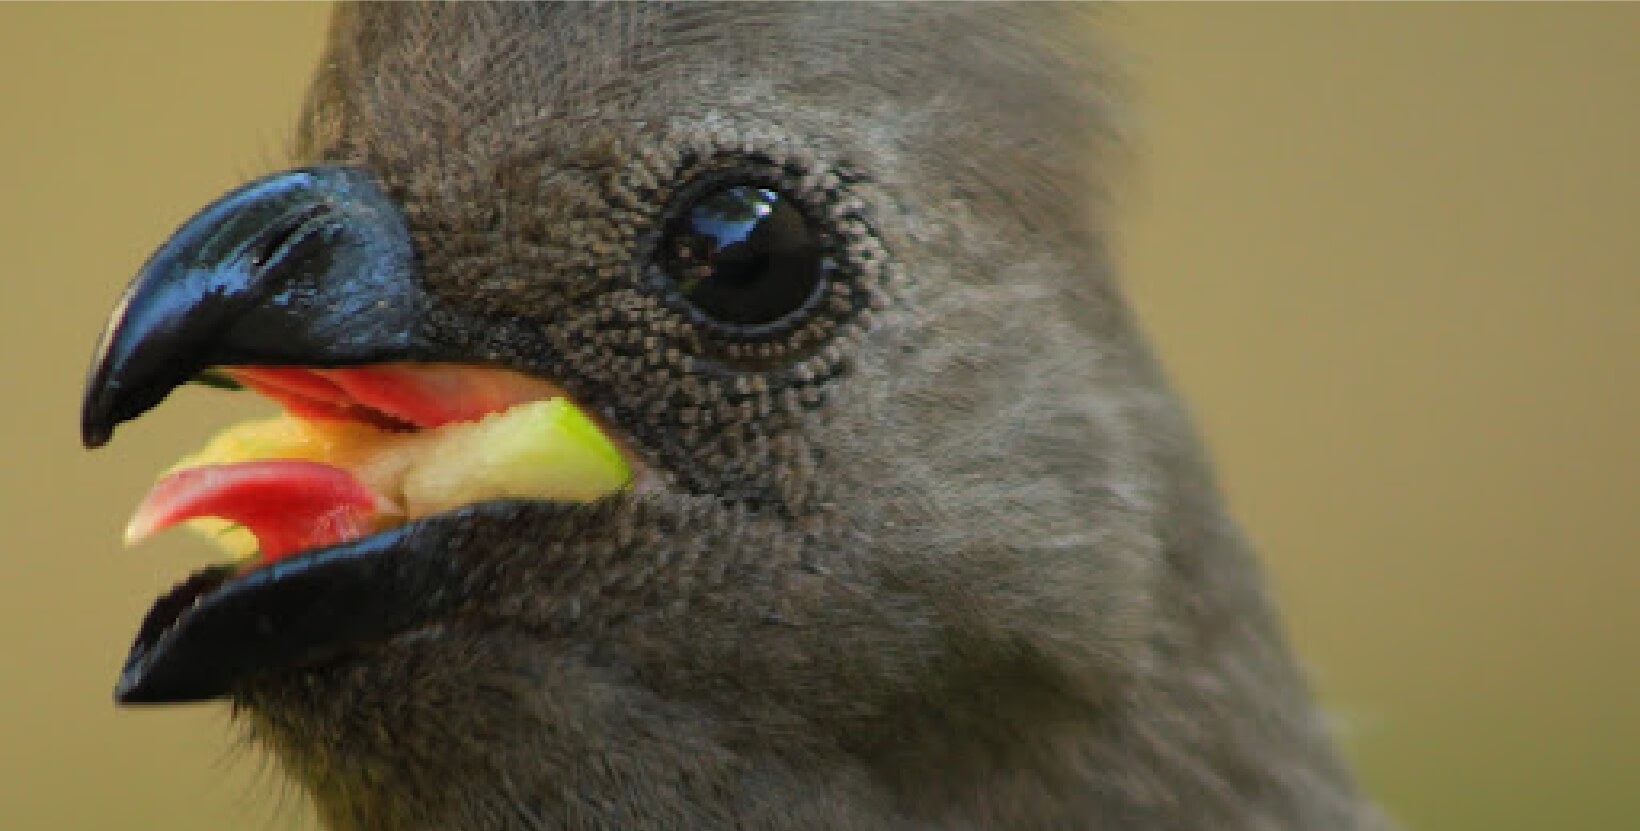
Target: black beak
(312, 267)
(218, 627)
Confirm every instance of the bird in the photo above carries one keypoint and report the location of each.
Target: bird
(921, 537)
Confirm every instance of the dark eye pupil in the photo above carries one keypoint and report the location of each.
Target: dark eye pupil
(744, 255)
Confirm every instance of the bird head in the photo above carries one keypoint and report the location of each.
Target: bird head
(914, 524)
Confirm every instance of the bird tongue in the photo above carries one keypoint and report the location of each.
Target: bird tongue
(289, 504)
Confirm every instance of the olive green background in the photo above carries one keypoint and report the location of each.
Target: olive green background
(1388, 252)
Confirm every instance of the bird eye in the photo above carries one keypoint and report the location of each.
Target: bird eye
(744, 257)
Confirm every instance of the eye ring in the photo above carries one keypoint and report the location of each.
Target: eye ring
(742, 257)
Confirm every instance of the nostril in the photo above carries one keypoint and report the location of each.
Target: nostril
(291, 237)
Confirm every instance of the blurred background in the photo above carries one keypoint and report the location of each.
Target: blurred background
(1389, 253)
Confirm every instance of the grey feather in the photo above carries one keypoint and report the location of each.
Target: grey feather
(949, 558)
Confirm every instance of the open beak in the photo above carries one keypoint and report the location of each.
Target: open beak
(298, 285)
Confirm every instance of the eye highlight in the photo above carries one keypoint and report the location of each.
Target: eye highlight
(745, 257)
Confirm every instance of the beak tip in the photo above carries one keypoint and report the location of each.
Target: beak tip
(168, 666)
(128, 689)
(95, 433)
(137, 685)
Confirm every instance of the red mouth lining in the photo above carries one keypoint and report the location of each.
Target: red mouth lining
(394, 396)
(308, 394)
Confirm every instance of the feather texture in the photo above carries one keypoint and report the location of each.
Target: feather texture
(947, 557)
